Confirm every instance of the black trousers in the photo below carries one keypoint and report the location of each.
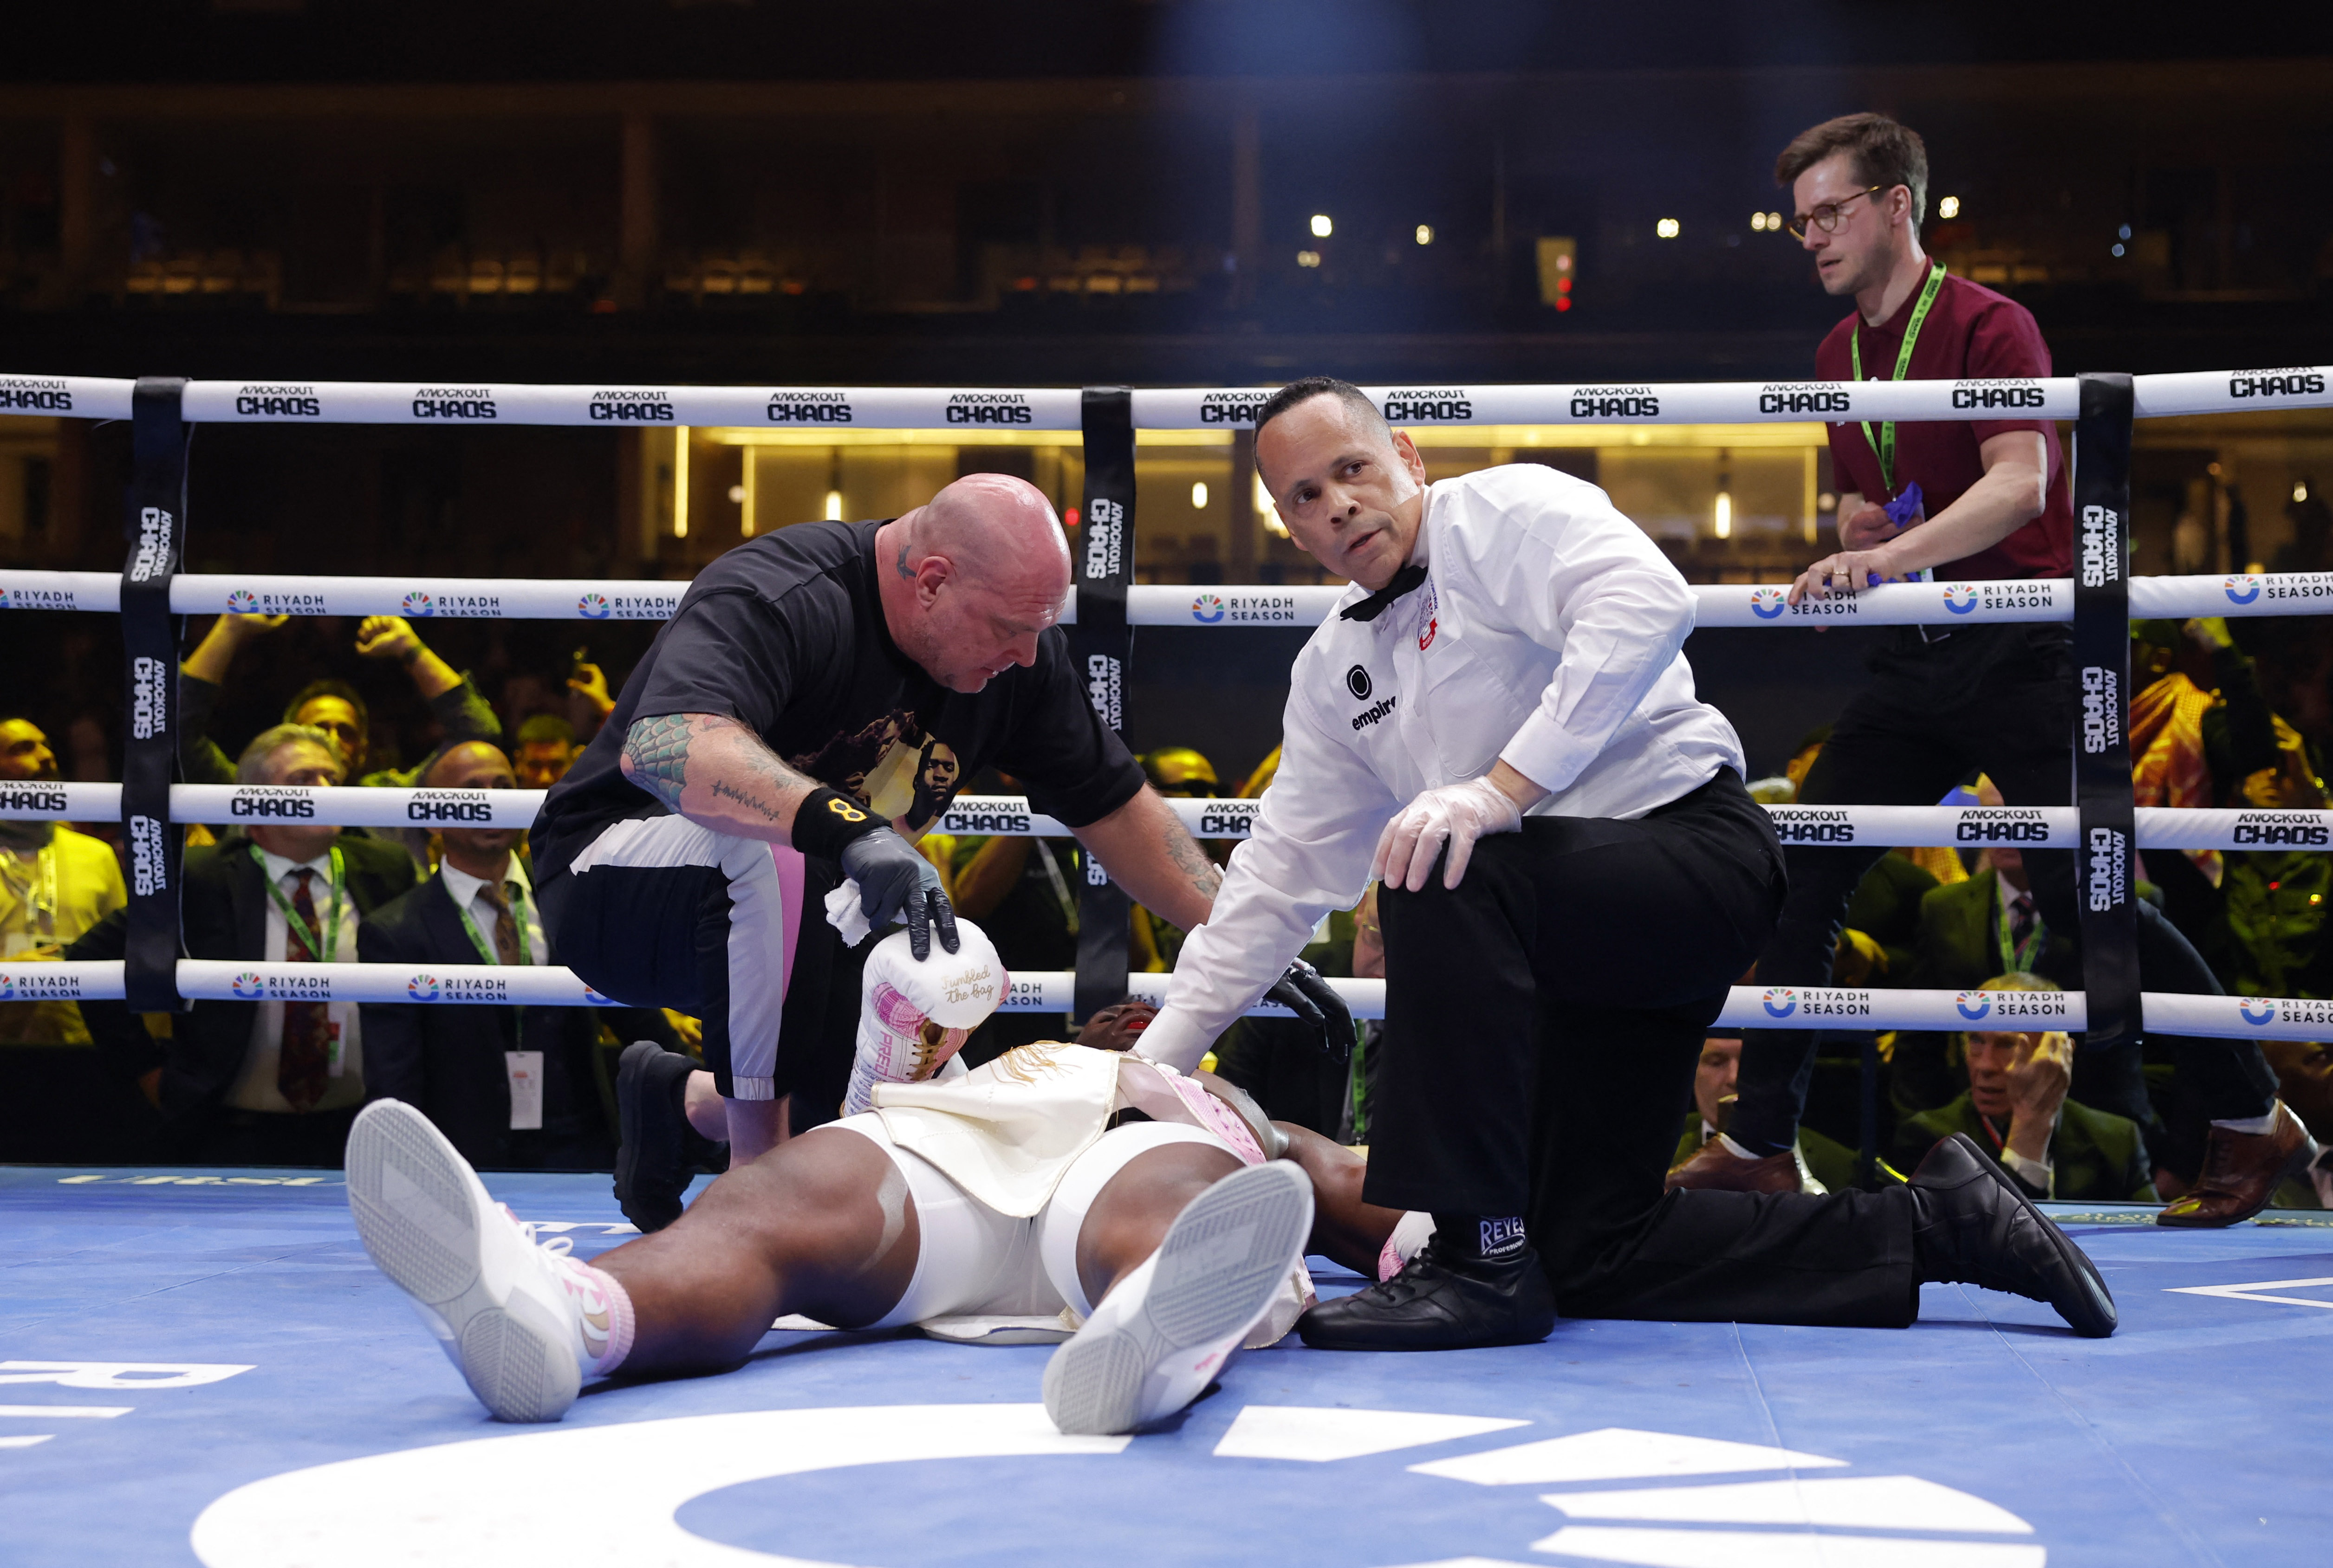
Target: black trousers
(1998, 698)
(1541, 1027)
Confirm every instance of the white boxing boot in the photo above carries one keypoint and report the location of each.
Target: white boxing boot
(523, 1321)
(914, 1017)
(1163, 1332)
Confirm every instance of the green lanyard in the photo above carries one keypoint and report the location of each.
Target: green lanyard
(1885, 445)
(321, 949)
(518, 915)
(2021, 955)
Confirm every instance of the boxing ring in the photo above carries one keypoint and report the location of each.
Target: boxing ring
(203, 1367)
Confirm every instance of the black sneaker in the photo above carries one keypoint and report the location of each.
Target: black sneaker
(1973, 1226)
(1440, 1303)
(658, 1151)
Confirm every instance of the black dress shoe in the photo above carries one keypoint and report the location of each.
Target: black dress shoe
(659, 1152)
(1973, 1226)
(1438, 1303)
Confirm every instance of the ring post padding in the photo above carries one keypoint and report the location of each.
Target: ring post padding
(1101, 643)
(155, 519)
(2106, 880)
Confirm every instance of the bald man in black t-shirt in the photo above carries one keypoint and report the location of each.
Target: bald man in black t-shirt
(816, 703)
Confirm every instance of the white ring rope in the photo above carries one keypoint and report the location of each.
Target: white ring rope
(1161, 408)
(1054, 992)
(1233, 607)
(1011, 817)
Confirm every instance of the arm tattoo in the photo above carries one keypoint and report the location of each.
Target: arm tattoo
(1192, 860)
(724, 790)
(658, 751)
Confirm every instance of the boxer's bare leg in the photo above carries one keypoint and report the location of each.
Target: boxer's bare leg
(1344, 1229)
(824, 1224)
(1130, 1214)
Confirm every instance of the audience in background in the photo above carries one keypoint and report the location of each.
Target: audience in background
(270, 1079)
(2016, 1109)
(1024, 893)
(54, 884)
(1177, 771)
(334, 707)
(513, 1087)
(1825, 1165)
(547, 748)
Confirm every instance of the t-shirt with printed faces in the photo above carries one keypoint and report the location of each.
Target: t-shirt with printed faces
(1971, 333)
(786, 634)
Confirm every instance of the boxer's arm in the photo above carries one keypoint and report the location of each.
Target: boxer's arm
(717, 773)
(1149, 852)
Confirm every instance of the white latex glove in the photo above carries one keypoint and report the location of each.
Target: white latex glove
(1458, 813)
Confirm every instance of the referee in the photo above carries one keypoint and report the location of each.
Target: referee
(1970, 501)
(1499, 722)
(813, 706)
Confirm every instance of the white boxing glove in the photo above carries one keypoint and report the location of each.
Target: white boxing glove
(914, 1017)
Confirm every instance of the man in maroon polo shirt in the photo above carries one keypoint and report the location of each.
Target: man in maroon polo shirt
(1962, 501)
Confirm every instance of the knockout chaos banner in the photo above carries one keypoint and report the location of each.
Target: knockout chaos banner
(156, 523)
(2104, 874)
(1100, 644)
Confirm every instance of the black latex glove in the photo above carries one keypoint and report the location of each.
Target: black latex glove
(1313, 1000)
(896, 884)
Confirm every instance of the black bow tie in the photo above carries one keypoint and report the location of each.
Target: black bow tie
(1372, 608)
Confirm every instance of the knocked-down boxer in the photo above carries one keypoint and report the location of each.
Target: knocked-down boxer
(1054, 1179)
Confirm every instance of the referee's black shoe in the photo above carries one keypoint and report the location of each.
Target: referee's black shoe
(658, 1151)
(1438, 1302)
(1972, 1225)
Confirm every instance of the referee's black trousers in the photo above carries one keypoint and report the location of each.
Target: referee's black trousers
(1999, 698)
(1542, 1021)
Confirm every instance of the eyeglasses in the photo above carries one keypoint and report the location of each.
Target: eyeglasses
(1826, 217)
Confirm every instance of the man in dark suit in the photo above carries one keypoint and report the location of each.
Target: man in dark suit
(2016, 1110)
(1986, 925)
(513, 1088)
(261, 1082)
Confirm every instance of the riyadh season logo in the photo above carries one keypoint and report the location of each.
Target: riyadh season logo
(1767, 603)
(1779, 1002)
(243, 602)
(1960, 598)
(422, 988)
(2267, 1014)
(7, 988)
(2242, 589)
(598, 1000)
(417, 603)
(248, 987)
(1972, 1004)
(592, 606)
(1208, 610)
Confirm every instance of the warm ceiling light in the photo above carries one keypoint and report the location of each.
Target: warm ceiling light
(1758, 221)
(1425, 233)
(1308, 258)
(1948, 206)
(834, 506)
(1322, 227)
(1667, 228)
(1199, 496)
(1724, 515)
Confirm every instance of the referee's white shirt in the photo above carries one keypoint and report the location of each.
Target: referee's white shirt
(1547, 632)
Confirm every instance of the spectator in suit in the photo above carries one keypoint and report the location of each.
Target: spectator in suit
(54, 884)
(514, 1088)
(2016, 1109)
(1985, 925)
(1825, 1164)
(262, 1082)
